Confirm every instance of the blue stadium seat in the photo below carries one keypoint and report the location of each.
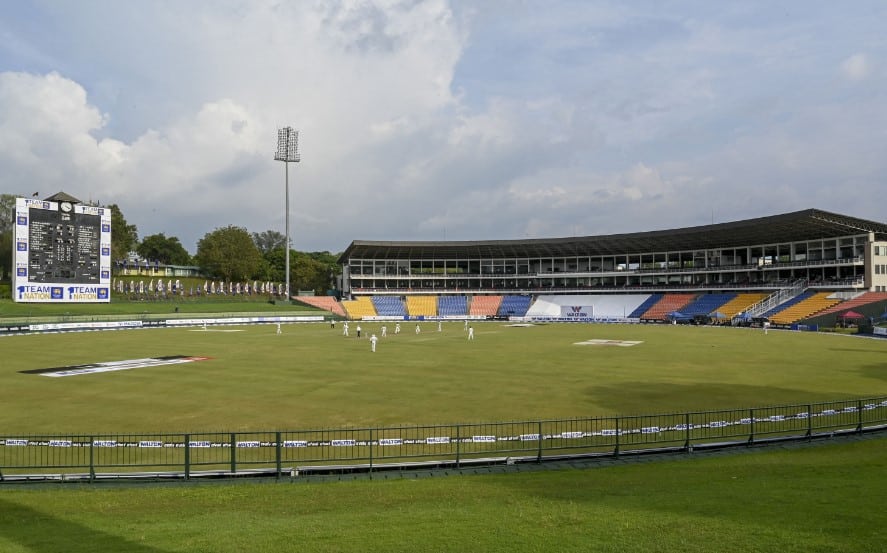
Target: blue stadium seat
(514, 306)
(389, 306)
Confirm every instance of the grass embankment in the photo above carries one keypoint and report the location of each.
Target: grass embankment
(119, 308)
(827, 498)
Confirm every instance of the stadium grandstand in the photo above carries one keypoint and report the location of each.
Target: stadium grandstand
(812, 259)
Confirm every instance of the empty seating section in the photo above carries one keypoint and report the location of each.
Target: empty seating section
(327, 303)
(706, 304)
(862, 299)
(389, 306)
(805, 308)
(359, 308)
(486, 306)
(514, 306)
(617, 306)
(452, 306)
(740, 303)
(642, 308)
(424, 306)
(668, 303)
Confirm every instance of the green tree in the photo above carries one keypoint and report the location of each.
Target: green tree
(124, 236)
(7, 211)
(274, 265)
(230, 253)
(168, 251)
(269, 240)
(313, 271)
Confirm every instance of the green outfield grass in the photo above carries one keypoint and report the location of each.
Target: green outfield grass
(822, 498)
(313, 377)
(827, 498)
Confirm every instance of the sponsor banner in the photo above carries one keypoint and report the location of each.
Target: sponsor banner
(86, 325)
(245, 320)
(880, 331)
(577, 311)
(579, 319)
(206, 444)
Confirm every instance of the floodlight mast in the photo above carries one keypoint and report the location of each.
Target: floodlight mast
(287, 152)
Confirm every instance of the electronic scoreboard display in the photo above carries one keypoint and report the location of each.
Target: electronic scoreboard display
(62, 252)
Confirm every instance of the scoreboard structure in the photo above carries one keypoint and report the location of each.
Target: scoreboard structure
(61, 252)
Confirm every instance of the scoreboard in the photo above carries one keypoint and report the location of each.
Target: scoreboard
(62, 252)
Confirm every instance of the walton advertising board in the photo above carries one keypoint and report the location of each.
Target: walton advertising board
(61, 252)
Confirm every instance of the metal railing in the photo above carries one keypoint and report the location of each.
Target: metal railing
(288, 454)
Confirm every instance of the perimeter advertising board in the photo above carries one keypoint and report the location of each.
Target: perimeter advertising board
(61, 252)
(577, 311)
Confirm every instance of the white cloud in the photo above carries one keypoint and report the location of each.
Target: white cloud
(856, 67)
(425, 118)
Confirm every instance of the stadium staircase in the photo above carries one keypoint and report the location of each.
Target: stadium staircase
(811, 304)
(774, 300)
(740, 303)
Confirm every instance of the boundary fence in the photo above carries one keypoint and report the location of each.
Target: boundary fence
(292, 454)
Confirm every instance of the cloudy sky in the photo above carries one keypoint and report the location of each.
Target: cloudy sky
(433, 120)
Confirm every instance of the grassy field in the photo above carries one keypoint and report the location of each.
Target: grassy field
(826, 498)
(313, 377)
(822, 498)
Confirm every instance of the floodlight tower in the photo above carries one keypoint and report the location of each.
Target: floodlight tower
(287, 151)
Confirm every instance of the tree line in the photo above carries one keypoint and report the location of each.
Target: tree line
(229, 253)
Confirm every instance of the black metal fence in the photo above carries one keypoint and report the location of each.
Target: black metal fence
(289, 454)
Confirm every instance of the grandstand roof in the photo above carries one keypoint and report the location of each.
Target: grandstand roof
(809, 224)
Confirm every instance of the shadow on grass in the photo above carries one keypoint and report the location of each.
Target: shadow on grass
(42, 533)
(709, 397)
(876, 371)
